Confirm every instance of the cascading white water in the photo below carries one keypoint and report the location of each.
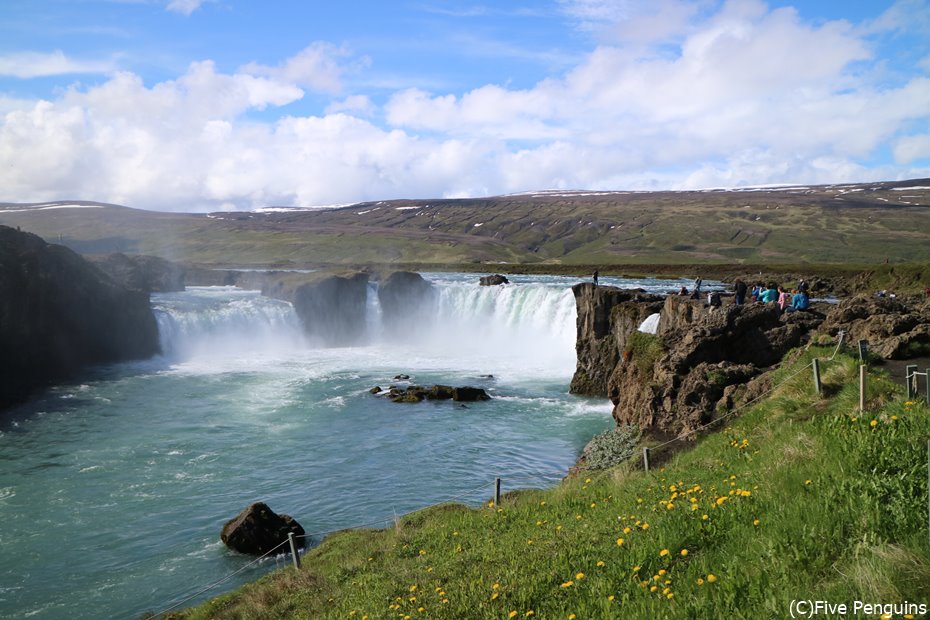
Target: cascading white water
(224, 321)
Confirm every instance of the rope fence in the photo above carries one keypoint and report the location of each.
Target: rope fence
(911, 375)
(395, 519)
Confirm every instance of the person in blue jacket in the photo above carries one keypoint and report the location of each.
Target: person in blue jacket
(800, 302)
(769, 295)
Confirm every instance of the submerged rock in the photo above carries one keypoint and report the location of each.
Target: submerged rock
(258, 529)
(418, 393)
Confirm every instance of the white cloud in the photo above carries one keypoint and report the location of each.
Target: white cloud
(185, 7)
(42, 64)
(319, 67)
(741, 95)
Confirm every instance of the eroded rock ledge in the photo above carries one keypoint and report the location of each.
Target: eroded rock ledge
(704, 361)
(59, 313)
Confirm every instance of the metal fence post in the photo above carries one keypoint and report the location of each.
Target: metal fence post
(497, 491)
(927, 383)
(862, 387)
(646, 459)
(294, 554)
(863, 350)
(910, 380)
(817, 386)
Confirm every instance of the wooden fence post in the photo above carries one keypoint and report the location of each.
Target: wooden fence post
(817, 386)
(294, 554)
(497, 492)
(863, 350)
(646, 459)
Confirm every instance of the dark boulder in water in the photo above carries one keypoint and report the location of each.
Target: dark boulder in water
(494, 280)
(59, 314)
(418, 393)
(257, 530)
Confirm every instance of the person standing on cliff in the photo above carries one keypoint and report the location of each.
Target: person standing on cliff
(595, 277)
(739, 288)
(697, 286)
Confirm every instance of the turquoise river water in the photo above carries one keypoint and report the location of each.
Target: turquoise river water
(114, 489)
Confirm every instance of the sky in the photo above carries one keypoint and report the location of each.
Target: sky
(209, 105)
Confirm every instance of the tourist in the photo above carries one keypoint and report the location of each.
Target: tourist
(800, 302)
(683, 292)
(784, 298)
(595, 277)
(769, 295)
(739, 288)
(697, 286)
(714, 299)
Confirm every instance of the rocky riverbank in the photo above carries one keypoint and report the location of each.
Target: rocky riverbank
(703, 361)
(59, 314)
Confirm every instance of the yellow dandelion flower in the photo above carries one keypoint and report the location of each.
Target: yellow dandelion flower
(558, 527)
(627, 530)
(705, 517)
(593, 504)
(755, 522)
(663, 553)
(422, 551)
(611, 598)
(662, 571)
(579, 576)
(808, 481)
(711, 578)
(670, 595)
(684, 552)
(530, 613)
(873, 423)
(445, 600)
(894, 418)
(620, 541)
(636, 569)
(495, 595)
(600, 563)
(512, 614)
(645, 526)
(413, 588)
(578, 517)
(529, 541)
(571, 616)
(700, 581)
(421, 609)
(587, 481)
(542, 503)
(568, 584)
(653, 588)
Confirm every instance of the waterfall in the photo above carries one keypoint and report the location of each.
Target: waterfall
(224, 321)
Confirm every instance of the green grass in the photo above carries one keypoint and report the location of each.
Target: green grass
(800, 497)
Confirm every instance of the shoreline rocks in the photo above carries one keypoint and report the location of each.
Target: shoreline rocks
(258, 529)
(493, 280)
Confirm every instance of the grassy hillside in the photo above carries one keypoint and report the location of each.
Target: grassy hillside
(801, 497)
(867, 223)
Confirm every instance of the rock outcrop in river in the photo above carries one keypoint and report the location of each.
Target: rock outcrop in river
(331, 307)
(149, 274)
(59, 313)
(408, 302)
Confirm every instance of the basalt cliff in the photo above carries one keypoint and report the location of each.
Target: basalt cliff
(702, 361)
(59, 313)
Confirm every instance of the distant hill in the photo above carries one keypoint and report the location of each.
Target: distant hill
(855, 223)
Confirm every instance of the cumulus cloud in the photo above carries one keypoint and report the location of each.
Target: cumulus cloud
(319, 67)
(729, 94)
(43, 64)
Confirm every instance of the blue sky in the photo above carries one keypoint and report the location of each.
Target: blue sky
(195, 105)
